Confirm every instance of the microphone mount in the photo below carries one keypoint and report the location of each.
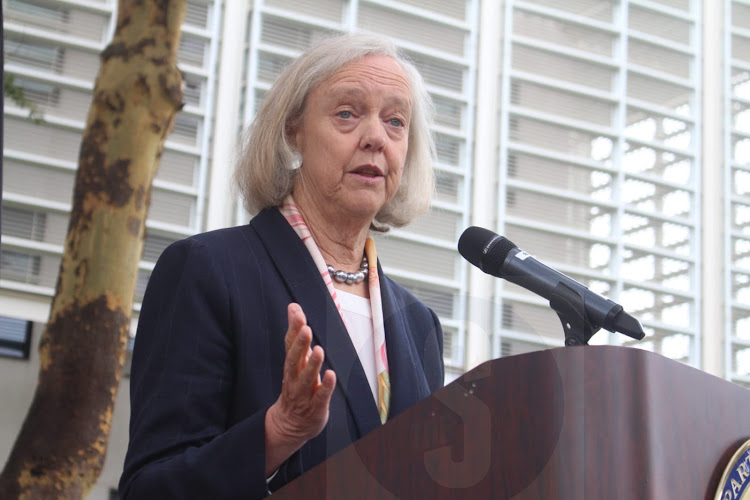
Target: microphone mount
(571, 309)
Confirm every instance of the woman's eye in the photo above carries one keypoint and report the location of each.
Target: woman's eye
(395, 122)
(345, 114)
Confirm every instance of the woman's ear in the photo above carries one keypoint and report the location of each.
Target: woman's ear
(290, 130)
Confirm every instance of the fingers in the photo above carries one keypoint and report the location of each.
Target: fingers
(302, 364)
(311, 371)
(302, 407)
(320, 390)
(298, 354)
(297, 320)
(322, 396)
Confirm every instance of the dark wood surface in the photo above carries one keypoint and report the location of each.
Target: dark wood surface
(595, 422)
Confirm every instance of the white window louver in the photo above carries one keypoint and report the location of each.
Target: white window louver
(443, 74)
(400, 25)
(456, 9)
(563, 103)
(186, 130)
(172, 208)
(192, 90)
(42, 94)
(24, 267)
(411, 256)
(34, 54)
(270, 66)
(437, 223)
(58, 17)
(449, 149)
(654, 57)
(597, 10)
(443, 301)
(192, 51)
(179, 168)
(549, 64)
(515, 347)
(564, 33)
(449, 112)
(42, 139)
(38, 181)
(290, 35)
(51, 16)
(738, 151)
(550, 172)
(329, 10)
(651, 22)
(197, 14)
(448, 187)
(55, 100)
(24, 223)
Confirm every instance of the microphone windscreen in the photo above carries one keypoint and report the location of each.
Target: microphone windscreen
(484, 249)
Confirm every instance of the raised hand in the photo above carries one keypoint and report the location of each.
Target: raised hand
(301, 412)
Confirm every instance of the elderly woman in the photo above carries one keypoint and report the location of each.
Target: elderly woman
(263, 349)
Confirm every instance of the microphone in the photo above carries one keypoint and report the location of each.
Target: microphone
(499, 257)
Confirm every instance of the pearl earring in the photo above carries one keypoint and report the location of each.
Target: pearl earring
(297, 161)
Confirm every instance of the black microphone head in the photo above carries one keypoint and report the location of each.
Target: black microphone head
(484, 249)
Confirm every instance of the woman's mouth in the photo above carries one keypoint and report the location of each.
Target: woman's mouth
(368, 171)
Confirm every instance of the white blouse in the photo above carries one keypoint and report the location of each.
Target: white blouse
(358, 317)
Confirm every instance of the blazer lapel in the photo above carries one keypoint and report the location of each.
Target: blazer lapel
(297, 269)
(408, 382)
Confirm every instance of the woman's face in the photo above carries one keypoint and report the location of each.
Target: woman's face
(353, 138)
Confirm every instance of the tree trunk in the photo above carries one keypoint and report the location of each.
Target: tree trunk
(60, 449)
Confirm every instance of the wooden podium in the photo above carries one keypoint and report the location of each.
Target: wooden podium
(572, 423)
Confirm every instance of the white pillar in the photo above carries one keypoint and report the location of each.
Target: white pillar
(712, 204)
(219, 210)
(484, 176)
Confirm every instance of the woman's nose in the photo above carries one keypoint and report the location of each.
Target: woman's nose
(373, 136)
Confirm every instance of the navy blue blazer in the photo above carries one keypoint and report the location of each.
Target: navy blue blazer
(209, 357)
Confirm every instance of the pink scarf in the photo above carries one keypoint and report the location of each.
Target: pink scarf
(291, 213)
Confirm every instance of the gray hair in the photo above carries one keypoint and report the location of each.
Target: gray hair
(264, 173)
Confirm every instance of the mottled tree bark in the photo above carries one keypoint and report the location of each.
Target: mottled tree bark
(60, 449)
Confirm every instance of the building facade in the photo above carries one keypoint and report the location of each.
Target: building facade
(610, 139)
